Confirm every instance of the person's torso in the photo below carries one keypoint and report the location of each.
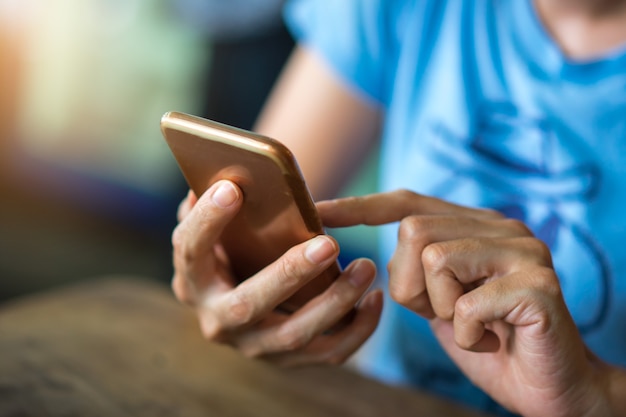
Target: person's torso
(485, 111)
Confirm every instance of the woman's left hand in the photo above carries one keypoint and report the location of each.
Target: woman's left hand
(493, 300)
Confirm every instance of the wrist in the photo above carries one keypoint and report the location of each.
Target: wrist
(616, 392)
(609, 399)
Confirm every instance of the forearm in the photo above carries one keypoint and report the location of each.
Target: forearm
(327, 126)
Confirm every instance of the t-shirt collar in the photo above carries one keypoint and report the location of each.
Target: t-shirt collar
(546, 57)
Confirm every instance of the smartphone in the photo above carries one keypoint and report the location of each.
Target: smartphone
(277, 212)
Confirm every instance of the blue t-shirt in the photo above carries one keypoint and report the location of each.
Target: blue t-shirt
(483, 109)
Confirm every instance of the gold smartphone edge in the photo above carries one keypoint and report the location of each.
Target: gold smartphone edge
(210, 130)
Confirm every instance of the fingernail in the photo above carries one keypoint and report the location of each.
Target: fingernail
(319, 249)
(225, 195)
(359, 274)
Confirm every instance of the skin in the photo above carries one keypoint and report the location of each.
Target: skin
(243, 316)
(493, 300)
(585, 29)
(485, 284)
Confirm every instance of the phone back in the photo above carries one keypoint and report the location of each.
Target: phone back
(277, 211)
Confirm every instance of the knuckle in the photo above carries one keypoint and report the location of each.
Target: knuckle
(421, 304)
(491, 213)
(182, 210)
(409, 293)
(399, 293)
(546, 282)
(183, 250)
(517, 226)
(251, 352)
(240, 309)
(178, 237)
(339, 297)
(211, 328)
(535, 250)
(540, 250)
(391, 269)
(464, 309)
(289, 338)
(418, 303)
(181, 290)
(414, 229)
(289, 272)
(206, 215)
(354, 201)
(204, 208)
(434, 257)
(408, 297)
(404, 194)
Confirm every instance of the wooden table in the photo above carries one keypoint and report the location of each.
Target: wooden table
(123, 347)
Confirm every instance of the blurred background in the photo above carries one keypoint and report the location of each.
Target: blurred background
(87, 184)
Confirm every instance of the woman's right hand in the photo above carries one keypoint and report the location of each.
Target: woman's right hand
(244, 315)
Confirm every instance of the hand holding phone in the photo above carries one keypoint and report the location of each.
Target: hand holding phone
(277, 213)
(250, 247)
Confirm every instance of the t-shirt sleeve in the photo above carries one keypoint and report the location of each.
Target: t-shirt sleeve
(355, 37)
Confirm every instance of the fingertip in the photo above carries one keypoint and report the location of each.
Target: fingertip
(361, 272)
(351, 337)
(373, 301)
(191, 196)
(320, 249)
(225, 193)
(489, 342)
(368, 315)
(368, 261)
(443, 311)
(369, 311)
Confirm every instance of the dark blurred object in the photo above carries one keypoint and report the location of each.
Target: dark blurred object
(45, 242)
(219, 20)
(248, 45)
(242, 73)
